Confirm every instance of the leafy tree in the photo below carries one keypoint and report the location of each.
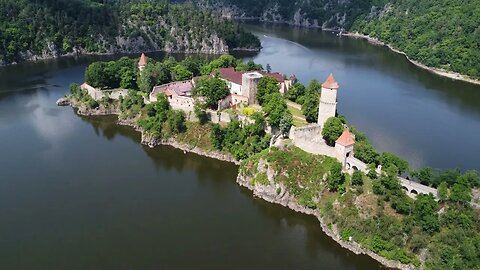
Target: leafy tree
(296, 91)
(357, 178)
(372, 172)
(200, 113)
(332, 129)
(286, 123)
(213, 89)
(128, 79)
(425, 213)
(181, 73)
(365, 152)
(442, 191)
(217, 136)
(424, 175)
(276, 109)
(265, 87)
(176, 121)
(461, 192)
(249, 66)
(224, 61)
(95, 74)
(310, 101)
(388, 159)
(336, 178)
(269, 68)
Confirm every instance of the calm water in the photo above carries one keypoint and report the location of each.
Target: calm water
(82, 193)
(427, 119)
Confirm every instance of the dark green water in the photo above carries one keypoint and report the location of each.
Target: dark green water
(82, 193)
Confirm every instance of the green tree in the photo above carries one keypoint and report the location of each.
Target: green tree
(286, 123)
(372, 172)
(213, 89)
(425, 213)
(310, 101)
(176, 121)
(217, 136)
(336, 178)
(442, 191)
(296, 91)
(128, 79)
(276, 109)
(332, 129)
(388, 159)
(95, 74)
(357, 178)
(181, 73)
(200, 113)
(365, 152)
(265, 87)
(461, 192)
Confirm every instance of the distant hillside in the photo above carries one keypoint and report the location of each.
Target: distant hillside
(438, 33)
(40, 29)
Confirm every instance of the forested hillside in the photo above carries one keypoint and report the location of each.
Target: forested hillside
(31, 30)
(438, 33)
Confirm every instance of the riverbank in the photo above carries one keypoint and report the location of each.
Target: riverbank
(37, 58)
(438, 71)
(268, 194)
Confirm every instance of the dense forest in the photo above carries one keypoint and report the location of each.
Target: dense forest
(33, 29)
(438, 33)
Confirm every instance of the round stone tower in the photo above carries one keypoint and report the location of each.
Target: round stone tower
(328, 100)
(249, 86)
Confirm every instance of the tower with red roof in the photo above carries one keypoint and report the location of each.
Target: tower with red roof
(328, 100)
(142, 62)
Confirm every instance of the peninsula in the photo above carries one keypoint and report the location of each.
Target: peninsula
(295, 150)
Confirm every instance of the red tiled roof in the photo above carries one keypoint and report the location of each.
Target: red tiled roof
(330, 83)
(167, 93)
(279, 77)
(143, 60)
(230, 74)
(345, 139)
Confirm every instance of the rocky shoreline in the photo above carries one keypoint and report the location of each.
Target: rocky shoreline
(36, 58)
(438, 71)
(267, 193)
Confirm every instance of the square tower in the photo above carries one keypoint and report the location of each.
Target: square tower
(249, 86)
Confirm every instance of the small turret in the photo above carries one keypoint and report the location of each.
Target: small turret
(142, 62)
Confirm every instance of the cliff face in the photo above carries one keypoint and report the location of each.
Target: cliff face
(326, 14)
(53, 28)
(443, 34)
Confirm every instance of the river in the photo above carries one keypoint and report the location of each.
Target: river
(82, 193)
(427, 119)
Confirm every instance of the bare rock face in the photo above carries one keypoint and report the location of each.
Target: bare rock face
(63, 101)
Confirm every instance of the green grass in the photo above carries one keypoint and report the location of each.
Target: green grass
(298, 117)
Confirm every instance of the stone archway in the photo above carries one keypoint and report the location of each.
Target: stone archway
(413, 191)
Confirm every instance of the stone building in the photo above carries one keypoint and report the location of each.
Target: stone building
(244, 83)
(179, 94)
(328, 100)
(344, 146)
